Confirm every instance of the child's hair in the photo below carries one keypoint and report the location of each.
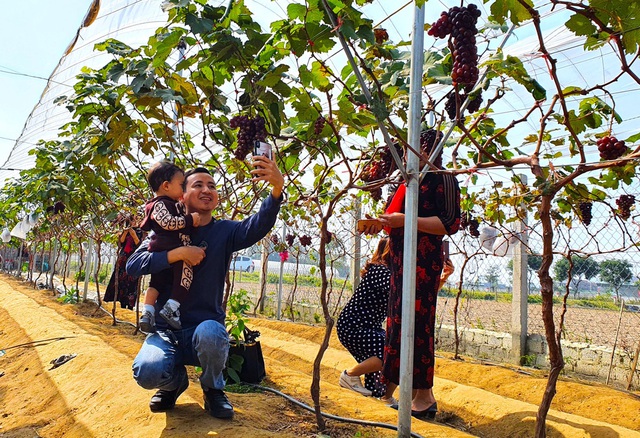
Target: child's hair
(160, 172)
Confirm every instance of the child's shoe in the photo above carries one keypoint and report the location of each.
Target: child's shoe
(171, 315)
(147, 322)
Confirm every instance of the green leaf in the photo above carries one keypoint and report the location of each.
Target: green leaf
(511, 9)
(347, 30)
(320, 38)
(633, 138)
(598, 194)
(513, 67)
(571, 90)
(114, 47)
(581, 25)
(197, 24)
(184, 88)
(320, 76)
(115, 71)
(165, 47)
(168, 96)
(296, 11)
(274, 76)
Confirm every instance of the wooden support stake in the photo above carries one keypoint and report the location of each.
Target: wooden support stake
(613, 352)
(633, 366)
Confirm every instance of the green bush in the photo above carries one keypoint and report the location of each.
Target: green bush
(534, 299)
(302, 280)
(79, 276)
(475, 295)
(70, 297)
(236, 320)
(597, 302)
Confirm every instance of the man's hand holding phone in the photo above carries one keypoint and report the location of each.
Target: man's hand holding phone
(263, 149)
(265, 169)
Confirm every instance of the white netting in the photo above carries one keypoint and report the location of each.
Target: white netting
(133, 21)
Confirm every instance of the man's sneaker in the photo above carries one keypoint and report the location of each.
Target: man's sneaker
(353, 383)
(217, 404)
(171, 316)
(164, 400)
(147, 322)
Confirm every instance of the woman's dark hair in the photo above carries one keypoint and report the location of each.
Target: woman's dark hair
(160, 172)
(429, 139)
(381, 256)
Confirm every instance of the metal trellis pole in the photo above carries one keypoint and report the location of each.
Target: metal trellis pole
(87, 272)
(357, 245)
(411, 228)
(19, 271)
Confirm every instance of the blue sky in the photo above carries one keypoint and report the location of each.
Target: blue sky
(33, 37)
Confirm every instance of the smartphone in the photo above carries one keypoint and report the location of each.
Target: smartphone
(445, 250)
(262, 148)
(372, 225)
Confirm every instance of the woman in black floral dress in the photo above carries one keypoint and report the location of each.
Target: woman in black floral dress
(438, 215)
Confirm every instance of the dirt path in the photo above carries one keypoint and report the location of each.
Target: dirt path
(93, 395)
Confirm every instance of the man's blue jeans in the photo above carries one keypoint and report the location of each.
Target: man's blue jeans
(160, 363)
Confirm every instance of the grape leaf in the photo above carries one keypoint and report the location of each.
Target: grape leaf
(512, 9)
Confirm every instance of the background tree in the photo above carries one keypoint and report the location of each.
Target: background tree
(616, 273)
(575, 271)
(534, 262)
(493, 278)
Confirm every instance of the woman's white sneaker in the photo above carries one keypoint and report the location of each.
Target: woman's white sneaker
(353, 383)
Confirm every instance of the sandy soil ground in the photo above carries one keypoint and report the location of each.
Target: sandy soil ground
(93, 394)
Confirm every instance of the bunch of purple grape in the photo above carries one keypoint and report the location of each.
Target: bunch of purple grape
(624, 203)
(376, 194)
(611, 148)
(585, 212)
(460, 23)
(290, 238)
(373, 172)
(318, 126)
(464, 219)
(451, 102)
(305, 240)
(429, 138)
(250, 131)
(380, 168)
(473, 227)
